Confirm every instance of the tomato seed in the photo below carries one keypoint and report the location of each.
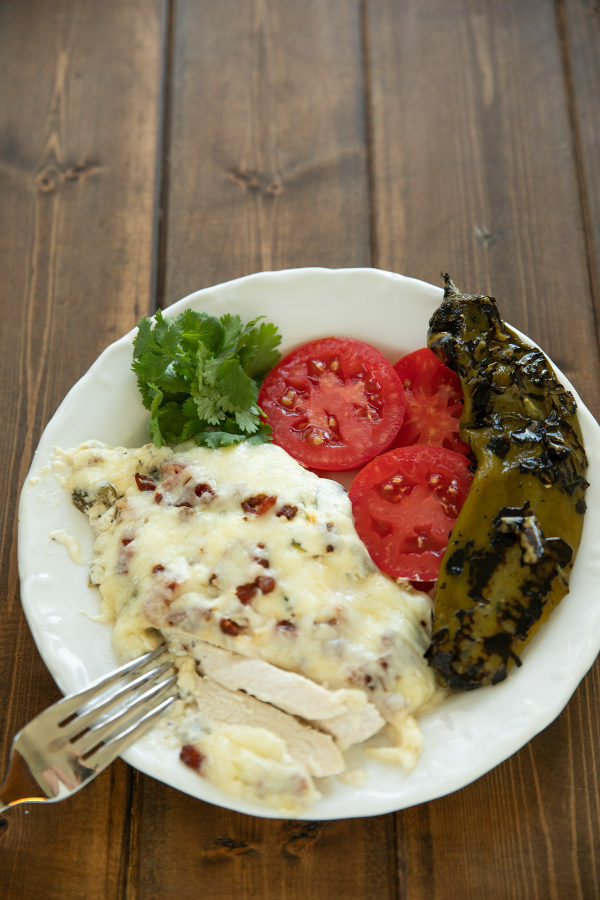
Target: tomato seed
(288, 398)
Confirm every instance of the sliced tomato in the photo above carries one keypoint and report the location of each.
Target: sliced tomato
(333, 403)
(405, 504)
(433, 402)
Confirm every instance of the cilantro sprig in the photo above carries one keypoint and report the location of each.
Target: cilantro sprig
(199, 376)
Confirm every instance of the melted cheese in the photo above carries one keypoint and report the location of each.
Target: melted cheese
(245, 549)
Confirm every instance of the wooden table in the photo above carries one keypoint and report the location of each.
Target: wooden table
(150, 148)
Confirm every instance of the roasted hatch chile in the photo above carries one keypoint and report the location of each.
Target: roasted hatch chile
(511, 551)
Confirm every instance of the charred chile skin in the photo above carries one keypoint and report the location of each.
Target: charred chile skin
(512, 549)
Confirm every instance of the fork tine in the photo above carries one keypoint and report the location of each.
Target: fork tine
(92, 713)
(68, 706)
(101, 757)
(105, 728)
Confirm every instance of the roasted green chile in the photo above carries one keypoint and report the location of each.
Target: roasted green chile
(511, 551)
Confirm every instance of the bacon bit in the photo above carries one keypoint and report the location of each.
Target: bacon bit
(158, 568)
(330, 548)
(192, 757)
(183, 504)
(259, 504)
(144, 483)
(202, 489)
(158, 497)
(246, 592)
(126, 540)
(285, 625)
(265, 584)
(228, 626)
(261, 561)
(172, 586)
(288, 512)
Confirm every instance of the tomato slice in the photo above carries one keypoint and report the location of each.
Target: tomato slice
(333, 404)
(405, 504)
(433, 402)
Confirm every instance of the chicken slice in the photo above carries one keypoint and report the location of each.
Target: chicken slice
(346, 714)
(218, 706)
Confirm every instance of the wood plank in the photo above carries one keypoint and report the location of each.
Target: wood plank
(474, 173)
(267, 156)
(579, 21)
(79, 121)
(266, 136)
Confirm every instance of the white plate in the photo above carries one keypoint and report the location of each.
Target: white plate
(470, 733)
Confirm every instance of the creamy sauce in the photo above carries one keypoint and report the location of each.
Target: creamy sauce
(62, 536)
(246, 550)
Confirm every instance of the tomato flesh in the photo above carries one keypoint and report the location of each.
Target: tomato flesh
(405, 503)
(333, 404)
(433, 402)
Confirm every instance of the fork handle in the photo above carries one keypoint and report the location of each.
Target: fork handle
(19, 784)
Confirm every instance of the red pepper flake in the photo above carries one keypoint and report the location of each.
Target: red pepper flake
(330, 548)
(126, 540)
(265, 584)
(287, 512)
(228, 626)
(158, 497)
(262, 561)
(144, 483)
(183, 504)
(259, 504)
(285, 625)
(246, 592)
(192, 757)
(202, 489)
(158, 568)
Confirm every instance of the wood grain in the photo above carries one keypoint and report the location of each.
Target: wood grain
(485, 184)
(266, 157)
(580, 29)
(78, 153)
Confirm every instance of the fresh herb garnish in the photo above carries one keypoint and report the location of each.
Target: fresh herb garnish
(199, 376)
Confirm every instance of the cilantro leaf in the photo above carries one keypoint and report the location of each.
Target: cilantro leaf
(258, 353)
(199, 376)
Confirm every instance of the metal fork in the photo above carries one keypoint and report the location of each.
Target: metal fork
(71, 742)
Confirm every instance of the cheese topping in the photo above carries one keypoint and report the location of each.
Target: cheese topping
(243, 549)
